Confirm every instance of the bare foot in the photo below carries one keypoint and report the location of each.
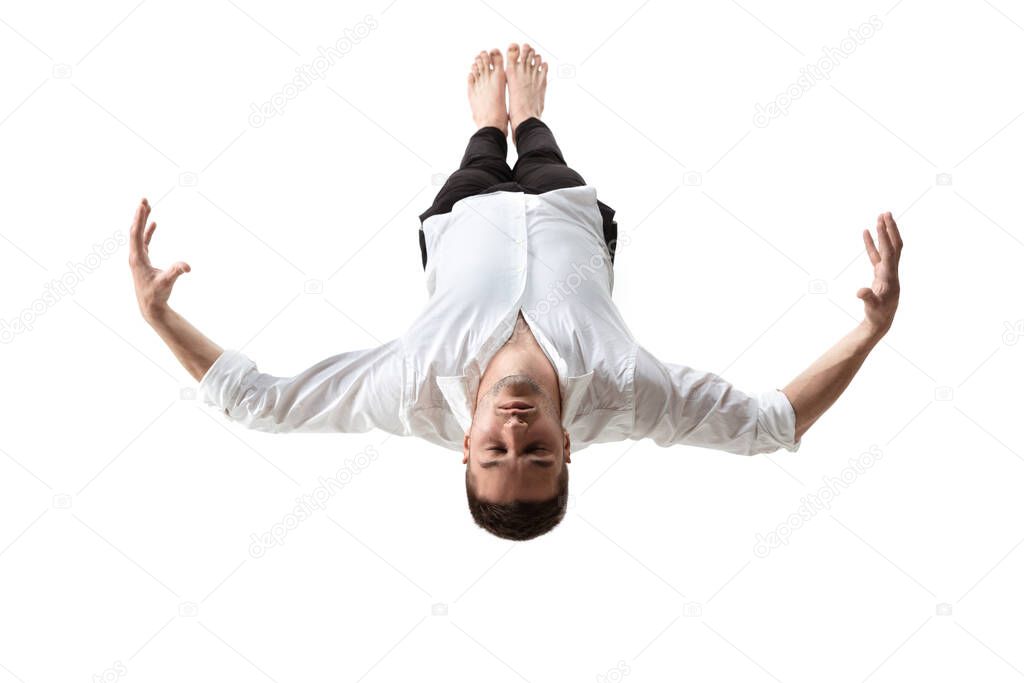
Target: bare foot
(487, 91)
(527, 76)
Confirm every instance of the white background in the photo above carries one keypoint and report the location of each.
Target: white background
(127, 509)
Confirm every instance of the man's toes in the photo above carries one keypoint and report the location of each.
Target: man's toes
(513, 54)
(496, 60)
(544, 72)
(536, 61)
(527, 54)
(481, 64)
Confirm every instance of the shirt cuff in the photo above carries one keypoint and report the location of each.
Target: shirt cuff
(223, 381)
(776, 423)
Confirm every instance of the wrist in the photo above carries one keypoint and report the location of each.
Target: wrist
(156, 314)
(873, 332)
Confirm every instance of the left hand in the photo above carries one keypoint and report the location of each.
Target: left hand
(881, 299)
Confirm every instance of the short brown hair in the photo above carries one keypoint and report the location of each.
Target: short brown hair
(519, 520)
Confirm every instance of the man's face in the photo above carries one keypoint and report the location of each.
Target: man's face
(516, 447)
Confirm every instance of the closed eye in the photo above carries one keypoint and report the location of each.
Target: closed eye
(530, 449)
(497, 463)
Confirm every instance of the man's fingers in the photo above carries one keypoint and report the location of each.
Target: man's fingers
(149, 232)
(868, 296)
(884, 243)
(137, 253)
(894, 232)
(869, 245)
(174, 272)
(139, 219)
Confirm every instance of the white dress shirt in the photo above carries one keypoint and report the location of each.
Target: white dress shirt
(492, 257)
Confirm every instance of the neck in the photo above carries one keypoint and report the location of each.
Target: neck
(522, 355)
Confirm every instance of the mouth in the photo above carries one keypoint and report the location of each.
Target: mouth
(516, 405)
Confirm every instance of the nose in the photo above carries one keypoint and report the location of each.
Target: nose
(515, 420)
(515, 425)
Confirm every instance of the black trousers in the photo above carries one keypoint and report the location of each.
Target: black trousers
(540, 168)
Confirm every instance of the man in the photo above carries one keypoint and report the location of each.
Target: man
(520, 356)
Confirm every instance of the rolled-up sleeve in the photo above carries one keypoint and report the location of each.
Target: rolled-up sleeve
(350, 392)
(676, 404)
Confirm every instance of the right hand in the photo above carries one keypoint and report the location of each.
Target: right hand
(152, 285)
(883, 296)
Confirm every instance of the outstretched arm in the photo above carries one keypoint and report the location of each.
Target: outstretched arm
(194, 350)
(348, 392)
(817, 388)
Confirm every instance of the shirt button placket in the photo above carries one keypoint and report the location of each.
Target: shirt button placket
(521, 242)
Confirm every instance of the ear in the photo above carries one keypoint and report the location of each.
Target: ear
(465, 449)
(566, 446)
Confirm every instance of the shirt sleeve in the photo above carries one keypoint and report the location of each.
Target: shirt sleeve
(354, 391)
(676, 404)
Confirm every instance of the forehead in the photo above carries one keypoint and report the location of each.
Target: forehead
(502, 486)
